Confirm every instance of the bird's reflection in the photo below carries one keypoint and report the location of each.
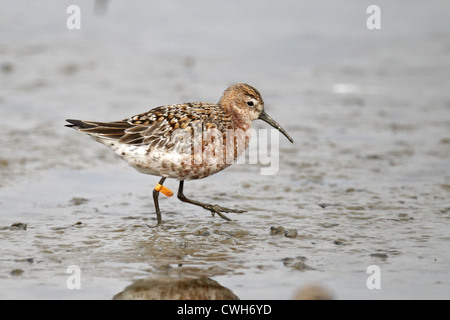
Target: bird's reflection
(176, 289)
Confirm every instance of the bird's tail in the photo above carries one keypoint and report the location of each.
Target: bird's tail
(106, 130)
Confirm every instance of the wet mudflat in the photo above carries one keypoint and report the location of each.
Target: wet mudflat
(366, 182)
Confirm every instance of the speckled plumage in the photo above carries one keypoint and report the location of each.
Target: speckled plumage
(184, 141)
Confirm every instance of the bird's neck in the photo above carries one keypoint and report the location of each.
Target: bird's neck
(241, 120)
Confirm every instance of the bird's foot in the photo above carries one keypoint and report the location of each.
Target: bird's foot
(220, 210)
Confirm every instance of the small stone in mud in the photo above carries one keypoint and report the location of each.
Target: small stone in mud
(298, 263)
(76, 201)
(383, 256)
(69, 69)
(4, 163)
(238, 233)
(164, 267)
(289, 260)
(328, 225)
(29, 260)
(301, 266)
(276, 230)
(7, 67)
(291, 233)
(16, 272)
(18, 226)
(203, 232)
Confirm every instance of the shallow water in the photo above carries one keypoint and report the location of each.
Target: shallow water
(366, 182)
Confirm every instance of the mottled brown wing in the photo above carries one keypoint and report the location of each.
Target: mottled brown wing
(161, 127)
(155, 128)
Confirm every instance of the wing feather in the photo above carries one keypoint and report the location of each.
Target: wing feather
(155, 128)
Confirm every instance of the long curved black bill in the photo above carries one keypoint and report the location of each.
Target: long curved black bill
(265, 117)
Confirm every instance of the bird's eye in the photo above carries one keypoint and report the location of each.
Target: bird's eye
(250, 103)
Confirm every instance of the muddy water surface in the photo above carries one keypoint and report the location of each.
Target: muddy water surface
(366, 182)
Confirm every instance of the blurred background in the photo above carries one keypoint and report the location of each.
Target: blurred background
(366, 182)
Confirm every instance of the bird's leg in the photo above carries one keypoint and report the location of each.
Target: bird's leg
(213, 208)
(155, 200)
